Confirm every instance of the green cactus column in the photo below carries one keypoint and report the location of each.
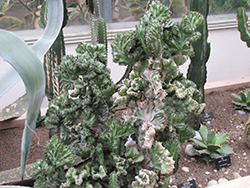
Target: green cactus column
(52, 59)
(242, 19)
(97, 24)
(197, 71)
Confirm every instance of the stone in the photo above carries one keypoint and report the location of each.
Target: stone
(223, 169)
(244, 170)
(197, 136)
(185, 169)
(236, 175)
(241, 112)
(190, 150)
(207, 172)
(222, 180)
(211, 183)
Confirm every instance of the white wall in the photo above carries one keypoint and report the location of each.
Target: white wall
(229, 59)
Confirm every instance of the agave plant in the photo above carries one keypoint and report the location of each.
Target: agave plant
(25, 60)
(243, 100)
(211, 146)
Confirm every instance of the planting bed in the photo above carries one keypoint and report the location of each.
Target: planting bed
(228, 120)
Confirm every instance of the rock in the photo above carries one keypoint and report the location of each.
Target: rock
(190, 150)
(197, 136)
(244, 170)
(236, 175)
(223, 169)
(207, 172)
(222, 180)
(241, 112)
(212, 182)
(185, 169)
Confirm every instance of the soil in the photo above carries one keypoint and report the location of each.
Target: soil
(227, 120)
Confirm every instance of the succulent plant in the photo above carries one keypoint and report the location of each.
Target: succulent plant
(141, 148)
(243, 100)
(211, 146)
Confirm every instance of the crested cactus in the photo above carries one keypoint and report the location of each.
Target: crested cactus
(197, 71)
(141, 148)
(242, 19)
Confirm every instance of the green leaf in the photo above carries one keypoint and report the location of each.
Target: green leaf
(225, 150)
(211, 137)
(243, 97)
(215, 155)
(237, 97)
(199, 144)
(203, 132)
(53, 27)
(15, 51)
(222, 138)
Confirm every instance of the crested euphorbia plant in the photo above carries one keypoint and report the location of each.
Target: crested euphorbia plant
(158, 98)
(140, 149)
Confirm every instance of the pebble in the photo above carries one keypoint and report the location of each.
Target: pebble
(197, 136)
(212, 182)
(193, 159)
(236, 175)
(215, 170)
(185, 169)
(244, 170)
(207, 172)
(222, 180)
(241, 112)
(190, 150)
(223, 169)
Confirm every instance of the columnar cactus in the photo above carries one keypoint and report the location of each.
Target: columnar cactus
(53, 57)
(242, 19)
(197, 71)
(97, 24)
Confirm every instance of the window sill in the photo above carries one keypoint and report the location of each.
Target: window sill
(76, 34)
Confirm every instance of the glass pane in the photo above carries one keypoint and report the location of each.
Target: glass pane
(227, 6)
(25, 14)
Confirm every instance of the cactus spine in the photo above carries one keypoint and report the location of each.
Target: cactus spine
(197, 71)
(242, 19)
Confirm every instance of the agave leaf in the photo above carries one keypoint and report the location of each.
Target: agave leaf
(215, 155)
(203, 151)
(222, 138)
(203, 132)
(53, 27)
(237, 97)
(225, 150)
(243, 97)
(211, 137)
(15, 51)
(213, 148)
(199, 144)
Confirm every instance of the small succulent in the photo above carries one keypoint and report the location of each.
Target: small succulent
(243, 100)
(212, 146)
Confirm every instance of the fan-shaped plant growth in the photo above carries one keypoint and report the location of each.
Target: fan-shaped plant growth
(141, 147)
